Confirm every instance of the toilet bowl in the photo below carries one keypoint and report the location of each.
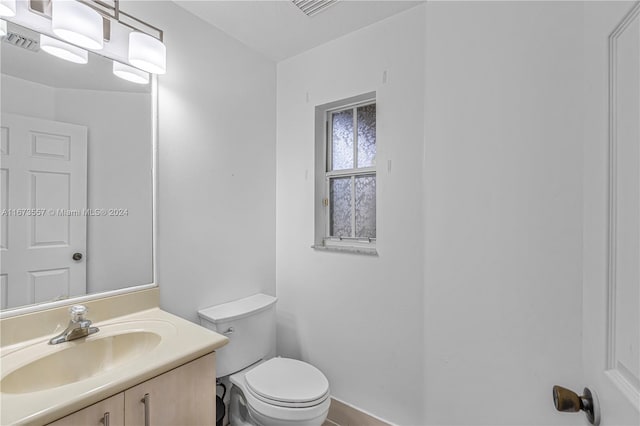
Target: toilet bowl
(280, 391)
(265, 390)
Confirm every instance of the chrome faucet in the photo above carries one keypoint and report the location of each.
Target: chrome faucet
(78, 326)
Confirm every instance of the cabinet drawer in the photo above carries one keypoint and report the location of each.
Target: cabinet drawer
(108, 412)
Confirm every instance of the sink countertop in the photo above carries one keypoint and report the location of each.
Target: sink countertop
(186, 342)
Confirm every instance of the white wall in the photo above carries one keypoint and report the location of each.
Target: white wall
(472, 311)
(27, 98)
(216, 204)
(503, 194)
(357, 318)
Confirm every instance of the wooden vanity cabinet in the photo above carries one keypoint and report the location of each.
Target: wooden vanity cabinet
(185, 396)
(106, 412)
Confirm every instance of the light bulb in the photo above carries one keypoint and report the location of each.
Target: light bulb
(63, 50)
(147, 53)
(130, 73)
(77, 23)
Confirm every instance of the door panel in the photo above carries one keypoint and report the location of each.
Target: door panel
(49, 284)
(49, 191)
(611, 253)
(623, 288)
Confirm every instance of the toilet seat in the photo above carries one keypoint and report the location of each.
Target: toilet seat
(285, 382)
(267, 410)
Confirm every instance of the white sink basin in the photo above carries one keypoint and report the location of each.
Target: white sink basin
(40, 383)
(42, 366)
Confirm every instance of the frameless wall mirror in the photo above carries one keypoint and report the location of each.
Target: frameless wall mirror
(77, 179)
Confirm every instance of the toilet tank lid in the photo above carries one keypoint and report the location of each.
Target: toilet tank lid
(238, 308)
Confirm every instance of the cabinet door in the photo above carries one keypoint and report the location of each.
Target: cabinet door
(109, 412)
(183, 396)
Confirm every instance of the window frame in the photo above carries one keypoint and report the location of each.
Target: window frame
(324, 174)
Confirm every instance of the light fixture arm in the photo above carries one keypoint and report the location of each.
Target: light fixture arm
(109, 10)
(94, 25)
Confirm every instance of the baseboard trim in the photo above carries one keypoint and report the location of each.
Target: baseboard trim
(344, 414)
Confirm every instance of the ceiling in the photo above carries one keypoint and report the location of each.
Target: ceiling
(279, 30)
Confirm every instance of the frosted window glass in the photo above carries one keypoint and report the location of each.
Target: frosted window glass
(365, 206)
(342, 140)
(340, 202)
(367, 136)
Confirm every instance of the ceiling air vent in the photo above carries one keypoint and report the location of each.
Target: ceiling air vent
(311, 7)
(21, 41)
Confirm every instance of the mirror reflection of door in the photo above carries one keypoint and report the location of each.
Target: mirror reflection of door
(119, 119)
(44, 194)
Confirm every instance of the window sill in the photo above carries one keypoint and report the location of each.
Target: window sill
(367, 251)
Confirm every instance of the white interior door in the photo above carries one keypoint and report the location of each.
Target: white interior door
(611, 292)
(43, 184)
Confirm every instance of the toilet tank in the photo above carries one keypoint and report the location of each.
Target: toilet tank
(250, 325)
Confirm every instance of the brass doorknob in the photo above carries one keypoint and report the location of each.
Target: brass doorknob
(568, 401)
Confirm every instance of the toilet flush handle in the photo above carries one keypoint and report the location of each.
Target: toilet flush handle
(229, 331)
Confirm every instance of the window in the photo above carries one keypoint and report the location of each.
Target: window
(346, 175)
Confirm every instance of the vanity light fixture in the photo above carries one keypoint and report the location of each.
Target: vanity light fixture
(63, 50)
(147, 53)
(77, 23)
(130, 73)
(3, 28)
(93, 25)
(7, 7)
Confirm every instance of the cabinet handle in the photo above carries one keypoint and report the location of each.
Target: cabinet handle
(146, 401)
(105, 419)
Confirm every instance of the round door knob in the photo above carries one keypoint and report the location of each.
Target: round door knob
(77, 256)
(566, 400)
(569, 402)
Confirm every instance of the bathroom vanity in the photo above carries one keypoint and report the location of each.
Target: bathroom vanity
(144, 366)
(184, 395)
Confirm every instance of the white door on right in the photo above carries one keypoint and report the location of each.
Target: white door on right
(611, 256)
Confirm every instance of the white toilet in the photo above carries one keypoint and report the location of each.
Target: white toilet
(265, 391)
